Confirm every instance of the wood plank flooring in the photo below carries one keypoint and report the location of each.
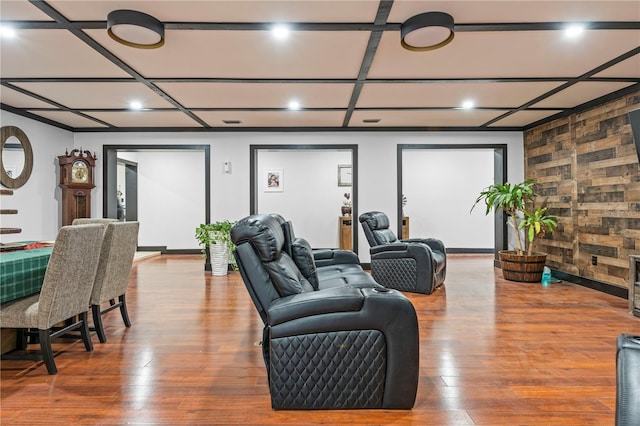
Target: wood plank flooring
(492, 352)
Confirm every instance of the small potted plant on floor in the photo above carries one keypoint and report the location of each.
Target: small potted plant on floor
(216, 236)
(518, 201)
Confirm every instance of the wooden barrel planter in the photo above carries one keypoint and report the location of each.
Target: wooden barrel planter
(523, 268)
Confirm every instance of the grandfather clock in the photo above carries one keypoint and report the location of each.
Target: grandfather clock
(76, 181)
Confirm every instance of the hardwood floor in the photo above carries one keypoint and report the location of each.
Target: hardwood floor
(493, 352)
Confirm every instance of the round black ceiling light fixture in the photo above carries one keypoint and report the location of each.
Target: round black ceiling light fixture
(427, 31)
(135, 29)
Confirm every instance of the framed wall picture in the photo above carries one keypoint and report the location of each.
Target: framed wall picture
(345, 176)
(273, 180)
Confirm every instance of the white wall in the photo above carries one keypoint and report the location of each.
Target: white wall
(441, 186)
(170, 197)
(38, 201)
(230, 192)
(311, 197)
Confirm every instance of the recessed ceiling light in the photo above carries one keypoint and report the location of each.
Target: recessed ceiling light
(136, 105)
(574, 30)
(294, 105)
(468, 104)
(280, 32)
(7, 32)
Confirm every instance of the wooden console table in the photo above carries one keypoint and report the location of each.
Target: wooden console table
(405, 228)
(346, 235)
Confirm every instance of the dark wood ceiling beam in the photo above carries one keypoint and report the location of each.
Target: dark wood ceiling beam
(280, 109)
(313, 80)
(384, 8)
(338, 26)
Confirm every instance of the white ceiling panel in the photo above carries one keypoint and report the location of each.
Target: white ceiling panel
(418, 118)
(522, 118)
(19, 100)
(451, 94)
(68, 118)
(259, 95)
(499, 54)
(226, 11)
(52, 53)
(520, 11)
(97, 95)
(246, 54)
(273, 118)
(578, 94)
(145, 118)
(21, 10)
(627, 68)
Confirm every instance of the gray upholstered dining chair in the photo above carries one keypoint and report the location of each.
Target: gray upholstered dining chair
(116, 257)
(65, 294)
(86, 220)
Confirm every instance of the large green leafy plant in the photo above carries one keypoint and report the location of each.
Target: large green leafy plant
(215, 233)
(516, 198)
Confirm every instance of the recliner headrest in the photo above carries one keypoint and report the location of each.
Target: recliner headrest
(375, 220)
(263, 232)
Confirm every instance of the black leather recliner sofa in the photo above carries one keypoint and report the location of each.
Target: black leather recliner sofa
(333, 338)
(628, 380)
(417, 265)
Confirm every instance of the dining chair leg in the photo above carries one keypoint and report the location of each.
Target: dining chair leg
(84, 331)
(97, 323)
(123, 310)
(21, 339)
(47, 351)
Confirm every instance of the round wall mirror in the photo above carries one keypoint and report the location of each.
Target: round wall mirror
(16, 157)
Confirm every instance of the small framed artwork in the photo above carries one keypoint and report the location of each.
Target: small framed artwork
(273, 180)
(345, 176)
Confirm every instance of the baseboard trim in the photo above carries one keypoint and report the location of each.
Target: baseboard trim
(182, 251)
(161, 249)
(165, 250)
(462, 250)
(611, 289)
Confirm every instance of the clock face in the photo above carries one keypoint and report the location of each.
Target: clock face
(79, 172)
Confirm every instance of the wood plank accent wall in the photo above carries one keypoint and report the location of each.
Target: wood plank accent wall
(589, 170)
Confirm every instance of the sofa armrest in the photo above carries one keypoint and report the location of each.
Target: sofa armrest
(388, 311)
(408, 249)
(326, 257)
(331, 300)
(433, 243)
(388, 247)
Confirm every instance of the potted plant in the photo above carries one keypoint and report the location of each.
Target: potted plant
(216, 236)
(518, 201)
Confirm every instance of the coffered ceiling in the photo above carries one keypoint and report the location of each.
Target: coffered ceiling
(221, 68)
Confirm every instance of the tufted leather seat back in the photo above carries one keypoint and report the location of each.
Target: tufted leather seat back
(267, 269)
(263, 232)
(376, 228)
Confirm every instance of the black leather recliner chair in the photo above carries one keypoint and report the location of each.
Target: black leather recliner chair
(333, 338)
(628, 380)
(416, 265)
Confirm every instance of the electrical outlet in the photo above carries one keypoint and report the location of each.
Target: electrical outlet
(594, 260)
